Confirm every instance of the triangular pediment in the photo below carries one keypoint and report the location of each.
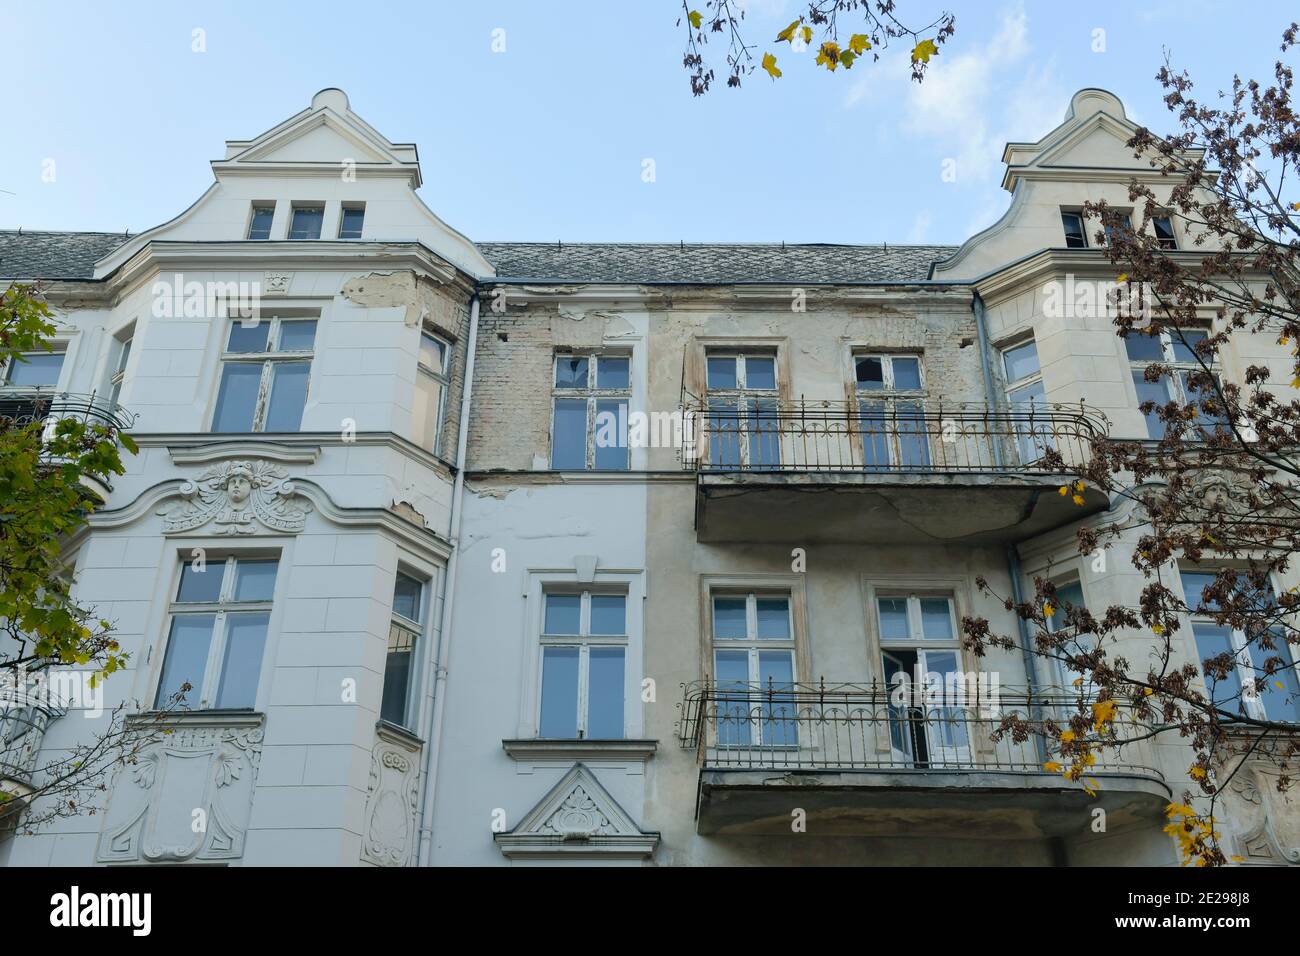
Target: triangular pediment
(1099, 141)
(577, 816)
(320, 138)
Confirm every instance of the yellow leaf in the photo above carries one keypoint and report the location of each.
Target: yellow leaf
(1147, 691)
(807, 34)
(858, 43)
(1079, 486)
(1052, 766)
(1197, 773)
(1063, 490)
(1157, 629)
(1103, 712)
(924, 50)
(1067, 736)
(1295, 205)
(788, 32)
(696, 18)
(769, 64)
(829, 56)
(1048, 610)
(1123, 277)
(1078, 499)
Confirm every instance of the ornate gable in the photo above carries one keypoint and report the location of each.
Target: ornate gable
(577, 817)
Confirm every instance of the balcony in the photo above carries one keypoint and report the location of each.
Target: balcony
(22, 729)
(875, 471)
(20, 407)
(860, 765)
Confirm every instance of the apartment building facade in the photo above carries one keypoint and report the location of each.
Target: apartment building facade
(532, 553)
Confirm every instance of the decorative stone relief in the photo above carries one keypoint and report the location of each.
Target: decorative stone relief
(237, 497)
(186, 798)
(1259, 840)
(577, 816)
(276, 283)
(1218, 488)
(392, 800)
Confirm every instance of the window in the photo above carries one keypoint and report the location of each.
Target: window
(1261, 682)
(1071, 595)
(121, 355)
(306, 221)
(753, 663)
(259, 223)
(1075, 237)
(350, 221)
(1164, 229)
(589, 422)
(218, 633)
(1028, 400)
(584, 652)
(403, 637)
(921, 653)
(1176, 349)
(743, 423)
(264, 375)
(431, 381)
(34, 370)
(892, 411)
(1125, 223)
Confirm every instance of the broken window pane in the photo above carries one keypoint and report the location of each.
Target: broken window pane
(570, 371)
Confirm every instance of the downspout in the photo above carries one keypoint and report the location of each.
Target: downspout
(1013, 558)
(442, 653)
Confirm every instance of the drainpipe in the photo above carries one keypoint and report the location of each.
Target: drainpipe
(1013, 558)
(442, 653)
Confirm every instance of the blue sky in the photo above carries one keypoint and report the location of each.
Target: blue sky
(547, 140)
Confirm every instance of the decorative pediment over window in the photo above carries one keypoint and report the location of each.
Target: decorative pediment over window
(577, 817)
(238, 498)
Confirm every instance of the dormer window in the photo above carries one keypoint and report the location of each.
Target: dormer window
(350, 222)
(259, 224)
(1075, 238)
(306, 221)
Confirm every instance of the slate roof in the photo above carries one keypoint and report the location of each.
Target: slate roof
(707, 263)
(72, 255)
(54, 255)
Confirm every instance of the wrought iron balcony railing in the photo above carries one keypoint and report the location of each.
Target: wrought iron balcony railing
(24, 406)
(858, 727)
(895, 435)
(22, 728)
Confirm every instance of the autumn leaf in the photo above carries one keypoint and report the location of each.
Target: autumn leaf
(696, 18)
(788, 33)
(829, 55)
(859, 44)
(769, 64)
(1103, 712)
(924, 50)
(807, 34)
(847, 58)
(1048, 610)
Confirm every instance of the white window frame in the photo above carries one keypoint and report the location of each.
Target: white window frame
(268, 360)
(737, 399)
(939, 752)
(754, 645)
(443, 377)
(122, 347)
(1083, 228)
(294, 208)
(584, 641)
(415, 630)
(56, 348)
(1250, 701)
(888, 396)
(1063, 674)
(344, 209)
(222, 608)
(1173, 232)
(593, 394)
(253, 207)
(1173, 380)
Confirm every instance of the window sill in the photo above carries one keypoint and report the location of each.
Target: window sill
(196, 718)
(565, 749)
(398, 734)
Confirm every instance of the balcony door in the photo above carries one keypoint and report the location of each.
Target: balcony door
(921, 663)
(891, 412)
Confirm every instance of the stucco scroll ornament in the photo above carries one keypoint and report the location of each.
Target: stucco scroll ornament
(578, 818)
(238, 496)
